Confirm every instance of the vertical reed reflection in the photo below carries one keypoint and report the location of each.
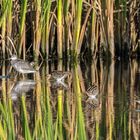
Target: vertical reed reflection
(65, 113)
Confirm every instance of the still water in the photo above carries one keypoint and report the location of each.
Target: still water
(97, 100)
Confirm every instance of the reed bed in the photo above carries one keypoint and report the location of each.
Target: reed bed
(70, 28)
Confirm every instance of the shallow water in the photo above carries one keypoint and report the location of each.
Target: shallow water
(65, 110)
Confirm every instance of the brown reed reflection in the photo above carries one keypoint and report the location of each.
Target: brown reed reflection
(102, 102)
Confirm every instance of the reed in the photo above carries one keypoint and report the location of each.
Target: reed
(26, 129)
(37, 29)
(81, 134)
(46, 27)
(98, 22)
(77, 26)
(60, 114)
(22, 26)
(93, 29)
(9, 23)
(59, 28)
(3, 23)
(66, 27)
(110, 32)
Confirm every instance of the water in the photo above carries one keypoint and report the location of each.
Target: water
(65, 111)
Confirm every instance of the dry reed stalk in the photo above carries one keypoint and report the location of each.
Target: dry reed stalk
(83, 30)
(110, 25)
(133, 34)
(37, 32)
(93, 27)
(9, 21)
(110, 103)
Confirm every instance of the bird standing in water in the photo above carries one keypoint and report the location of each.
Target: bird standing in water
(92, 93)
(21, 66)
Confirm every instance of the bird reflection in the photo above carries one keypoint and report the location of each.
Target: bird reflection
(59, 85)
(92, 93)
(22, 87)
(58, 80)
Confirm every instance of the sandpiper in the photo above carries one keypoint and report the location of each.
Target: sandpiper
(21, 66)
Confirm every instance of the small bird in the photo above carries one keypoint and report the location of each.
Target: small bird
(59, 76)
(21, 66)
(58, 79)
(92, 91)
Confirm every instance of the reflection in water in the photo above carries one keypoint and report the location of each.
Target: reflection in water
(113, 101)
(92, 93)
(60, 80)
(22, 87)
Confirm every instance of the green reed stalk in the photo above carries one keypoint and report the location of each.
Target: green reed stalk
(11, 121)
(3, 124)
(22, 24)
(46, 107)
(46, 27)
(4, 7)
(2, 132)
(39, 131)
(56, 129)
(3, 23)
(26, 129)
(66, 27)
(9, 22)
(9, 18)
(49, 117)
(59, 28)
(97, 131)
(80, 116)
(7, 126)
(60, 113)
(77, 26)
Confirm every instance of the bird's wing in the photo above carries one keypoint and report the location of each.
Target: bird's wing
(24, 65)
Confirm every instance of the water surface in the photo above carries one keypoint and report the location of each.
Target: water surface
(43, 109)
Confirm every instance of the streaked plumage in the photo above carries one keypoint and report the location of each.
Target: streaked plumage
(92, 91)
(59, 76)
(21, 65)
(58, 79)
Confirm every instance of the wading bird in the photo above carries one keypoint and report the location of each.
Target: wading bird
(21, 65)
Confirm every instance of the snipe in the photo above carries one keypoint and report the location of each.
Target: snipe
(92, 93)
(60, 76)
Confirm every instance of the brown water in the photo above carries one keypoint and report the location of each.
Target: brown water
(112, 114)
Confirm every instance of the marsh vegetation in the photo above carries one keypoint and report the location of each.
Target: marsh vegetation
(60, 28)
(98, 98)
